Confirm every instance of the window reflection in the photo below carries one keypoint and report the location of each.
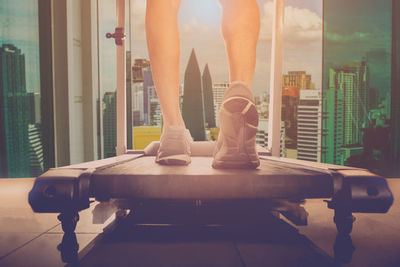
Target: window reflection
(21, 142)
(356, 83)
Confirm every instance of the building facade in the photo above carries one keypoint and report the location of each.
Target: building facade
(14, 114)
(262, 135)
(110, 124)
(290, 102)
(299, 79)
(36, 150)
(309, 122)
(218, 93)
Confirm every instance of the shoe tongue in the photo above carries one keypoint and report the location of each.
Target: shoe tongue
(238, 89)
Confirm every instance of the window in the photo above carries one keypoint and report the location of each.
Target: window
(26, 127)
(357, 83)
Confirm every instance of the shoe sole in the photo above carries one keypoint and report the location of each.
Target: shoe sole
(180, 159)
(238, 121)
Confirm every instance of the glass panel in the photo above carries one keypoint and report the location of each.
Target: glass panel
(21, 142)
(108, 75)
(356, 83)
(301, 80)
(108, 83)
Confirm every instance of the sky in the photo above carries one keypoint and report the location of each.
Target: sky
(19, 26)
(353, 37)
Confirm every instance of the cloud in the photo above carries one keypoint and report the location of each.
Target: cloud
(343, 38)
(138, 19)
(301, 25)
(194, 28)
(189, 29)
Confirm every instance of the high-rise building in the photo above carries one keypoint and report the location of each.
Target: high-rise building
(352, 79)
(36, 150)
(332, 122)
(136, 118)
(34, 108)
(14, 114)
(109, 124)
(299, 79)
(155, 117)
(148, 83)
(309, 122)
(138, 103)
(262, 135)
(208, 98)
(137, 69)
(129, 117)
(218, 93)
(290, 101)
(193, 104)
(142, 79)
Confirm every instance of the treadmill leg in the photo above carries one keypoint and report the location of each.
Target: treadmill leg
(68, 221)
(343, 247)
(344, 221)
(69, 245)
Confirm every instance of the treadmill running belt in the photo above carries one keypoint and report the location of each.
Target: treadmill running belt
(142, 178)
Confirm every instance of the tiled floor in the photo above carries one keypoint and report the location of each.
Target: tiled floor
(29, 239)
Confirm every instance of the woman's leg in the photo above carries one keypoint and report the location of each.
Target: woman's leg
(238, 117)
(240, 29)
(164, 50)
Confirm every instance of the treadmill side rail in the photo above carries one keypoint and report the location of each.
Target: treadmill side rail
(61, 190)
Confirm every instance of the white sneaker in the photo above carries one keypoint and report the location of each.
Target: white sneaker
(238, 120)
(174, 146)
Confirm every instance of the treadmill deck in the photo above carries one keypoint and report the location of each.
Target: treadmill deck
(142, 178)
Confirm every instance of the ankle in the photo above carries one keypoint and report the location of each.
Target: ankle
(246, 84)
(168, 123)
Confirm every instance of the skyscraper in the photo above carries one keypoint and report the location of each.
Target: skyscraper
(36, 150)
(352, 79)
(208, 98)
(193, 104)
(138, 104)
(137, 69)
(155, 109)
(290, 101)
(34, 108)
(218, 93)
(129, 116)
(142, 79)
(298, 79)
(147, 84)
(332, 123)
(14, 114)
(262, 135)
(309, 125)
(109, 124)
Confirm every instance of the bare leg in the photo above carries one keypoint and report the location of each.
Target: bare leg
(238, 117)
(240, 29)
(164, 50)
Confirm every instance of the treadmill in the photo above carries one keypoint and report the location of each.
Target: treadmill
(160, 194)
